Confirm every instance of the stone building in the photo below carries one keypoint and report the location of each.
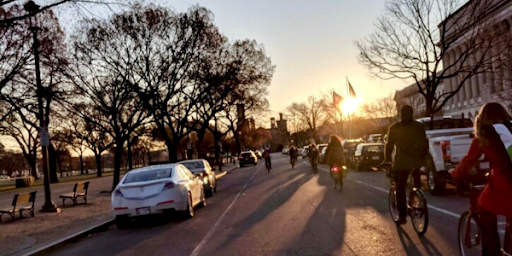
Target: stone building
(495, 84)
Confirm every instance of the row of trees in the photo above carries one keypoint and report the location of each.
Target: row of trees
(147, 73)
(319, 110)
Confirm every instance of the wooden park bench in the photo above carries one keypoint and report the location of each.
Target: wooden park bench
(79, 190)
(20, 203)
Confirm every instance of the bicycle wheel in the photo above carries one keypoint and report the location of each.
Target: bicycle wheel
(393, 206)
(470, 238)
(418, 211)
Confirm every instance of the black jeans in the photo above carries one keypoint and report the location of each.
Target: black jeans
(401, 178)
(267, 161)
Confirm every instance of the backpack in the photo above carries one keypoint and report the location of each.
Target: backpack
(505, 132)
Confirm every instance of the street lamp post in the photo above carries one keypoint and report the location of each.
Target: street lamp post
(49, 205)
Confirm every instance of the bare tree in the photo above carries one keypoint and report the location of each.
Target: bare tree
(413, 37)
(309, 113)
(26, 135)
(81, 6)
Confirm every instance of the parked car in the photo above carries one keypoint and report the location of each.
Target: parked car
(374, 138)
(286, 151)
(320, 147)
(4, 177)
(321, 157)
(368, 155)
(300, 152)
(305, 151)
(247, 157)
(154, 190)
(202, 169)
(449, 139)
(349, 149)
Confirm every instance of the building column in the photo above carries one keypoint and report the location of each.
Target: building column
(474, 78)
(449, 82)
(483, 86)
(457, 67)
(465, 75)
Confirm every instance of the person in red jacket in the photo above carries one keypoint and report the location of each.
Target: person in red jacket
(496, 196)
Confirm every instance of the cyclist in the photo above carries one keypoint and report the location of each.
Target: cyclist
(266, 155)
(409, 141)
(495, 198)
(334, 154)
(293, 154)
(313, 156)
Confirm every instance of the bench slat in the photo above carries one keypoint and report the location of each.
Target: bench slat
(80, 187)
(25, 198)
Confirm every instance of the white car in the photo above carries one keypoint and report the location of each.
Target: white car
(204, 171)
(154, 190)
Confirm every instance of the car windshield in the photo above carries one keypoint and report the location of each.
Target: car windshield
(148, 175)
(194, 165)
(246, 154)
(374, 148)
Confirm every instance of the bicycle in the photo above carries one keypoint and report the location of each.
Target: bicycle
(469, 234)
(416, 208)
(292, 161)
(267, 165)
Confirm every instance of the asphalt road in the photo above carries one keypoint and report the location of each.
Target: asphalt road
(286, 212)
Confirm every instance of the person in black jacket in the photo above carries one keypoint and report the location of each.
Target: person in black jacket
(409, 141)
(334, 153)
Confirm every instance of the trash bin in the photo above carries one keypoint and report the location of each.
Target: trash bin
(25, 182)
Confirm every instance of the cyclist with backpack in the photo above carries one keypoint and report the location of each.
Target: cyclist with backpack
(495, 198)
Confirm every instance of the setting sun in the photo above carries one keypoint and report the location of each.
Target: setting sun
(350, 105)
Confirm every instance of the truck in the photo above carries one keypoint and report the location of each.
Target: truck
(449, 140)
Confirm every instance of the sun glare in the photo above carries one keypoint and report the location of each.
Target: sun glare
(350, 105)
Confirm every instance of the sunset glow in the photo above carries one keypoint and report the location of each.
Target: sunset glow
(350, 105)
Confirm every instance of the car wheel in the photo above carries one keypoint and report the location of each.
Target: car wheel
(436, 180)
(122, 222)
(189, 212)
(210, 192)
(203, 199)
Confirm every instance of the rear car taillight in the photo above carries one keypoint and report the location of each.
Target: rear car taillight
(445, 148)
(118, 192)
(169, 185)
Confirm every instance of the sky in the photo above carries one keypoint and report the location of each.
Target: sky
(310, 42)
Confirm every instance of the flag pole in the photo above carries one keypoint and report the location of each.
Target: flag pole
(349, 117)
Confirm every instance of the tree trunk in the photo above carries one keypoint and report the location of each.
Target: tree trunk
(81, 164)
(33, 168)
(98, 164)
(117, 163)
(200, 139)
(218, 160)
(237, 142)
(173, 152)
(129, 155)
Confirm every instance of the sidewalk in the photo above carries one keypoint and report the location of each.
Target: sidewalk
(28, 235)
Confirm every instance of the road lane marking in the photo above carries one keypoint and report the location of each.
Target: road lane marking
(214, 228)
(428, 205)
(455, 215)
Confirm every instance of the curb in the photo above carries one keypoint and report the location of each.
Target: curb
(45, 249)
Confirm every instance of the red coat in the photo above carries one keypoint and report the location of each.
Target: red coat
(497, 195)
